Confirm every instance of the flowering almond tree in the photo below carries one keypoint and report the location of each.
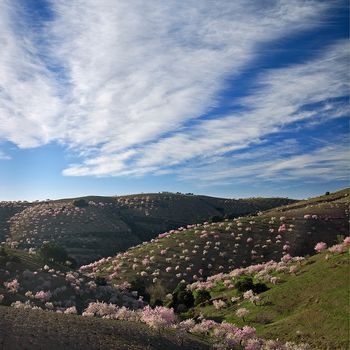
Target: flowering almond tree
(242, 312)
(158, 318)
(320, 247)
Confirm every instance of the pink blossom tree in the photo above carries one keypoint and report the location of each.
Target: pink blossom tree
(320, 247)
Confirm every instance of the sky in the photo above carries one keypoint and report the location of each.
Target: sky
(225, 98)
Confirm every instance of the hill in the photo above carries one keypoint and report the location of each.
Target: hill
(35, 329)
(308, 301)
(7, 211)
(94, 227)
(201, 250)
(26, 280)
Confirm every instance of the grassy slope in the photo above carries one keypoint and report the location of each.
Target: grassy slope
(333, 220)
(312, 306)
(114, 224)
(33, 329)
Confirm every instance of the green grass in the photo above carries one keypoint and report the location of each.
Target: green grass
(312, 306)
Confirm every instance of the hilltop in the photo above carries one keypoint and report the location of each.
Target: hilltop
(197, 251)
(90, 228)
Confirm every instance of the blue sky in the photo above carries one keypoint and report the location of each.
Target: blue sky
(225, 98)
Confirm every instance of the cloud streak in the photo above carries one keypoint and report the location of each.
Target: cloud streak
(279, 162)
(281, 98)
(127, 85)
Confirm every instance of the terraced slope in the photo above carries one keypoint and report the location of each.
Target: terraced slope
(26, 279)
(309, 305)
(7, 211)
(33, 329)
(202, 250)
(105, 225)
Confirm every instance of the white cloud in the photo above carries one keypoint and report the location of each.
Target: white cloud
(278, 101)
(136, 73)
(328, 162)
(29, 105)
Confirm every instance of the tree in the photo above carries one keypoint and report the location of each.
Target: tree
(182, 298)
(201, 296)
(100, 281)
(244, 283)
(242, 312)
(216, 218)
(138, 284)
(80, 203)
(53, 252)
(159, 317)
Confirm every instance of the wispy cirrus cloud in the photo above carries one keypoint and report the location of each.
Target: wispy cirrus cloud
(29, 104)
(283, 161)
(128, 84)
(281, 98)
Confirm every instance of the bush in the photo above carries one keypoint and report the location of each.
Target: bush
(53, 252)
(230, 216)
(2, 251)
(80, 203)
(156, 294)
(138, 284)
(244, 283)
(100, 281)
(260, 288)
(216, 218)
(182, 298)
(201, 296)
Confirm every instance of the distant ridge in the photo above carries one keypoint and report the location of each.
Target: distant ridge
(95, 226)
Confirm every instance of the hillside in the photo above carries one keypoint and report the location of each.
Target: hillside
(28, 281)
(35, 329)
(94, 227)
(201, 250)
(7, 211)
(308, 303)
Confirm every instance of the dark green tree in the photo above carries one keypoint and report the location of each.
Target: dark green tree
(80, 203)
(201, 296)
(53, 252)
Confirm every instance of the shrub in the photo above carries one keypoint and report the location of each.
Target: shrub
(201, 296)
(159, 317)
(3, 251)
(138, 284)
(219, 304)
(80, 203)
(157, 293)
(260, 288)
(216, 218)
(320, 247)
(244, 283)
(53, 252)
(242, 312)
(182, 298)
(100, 281)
